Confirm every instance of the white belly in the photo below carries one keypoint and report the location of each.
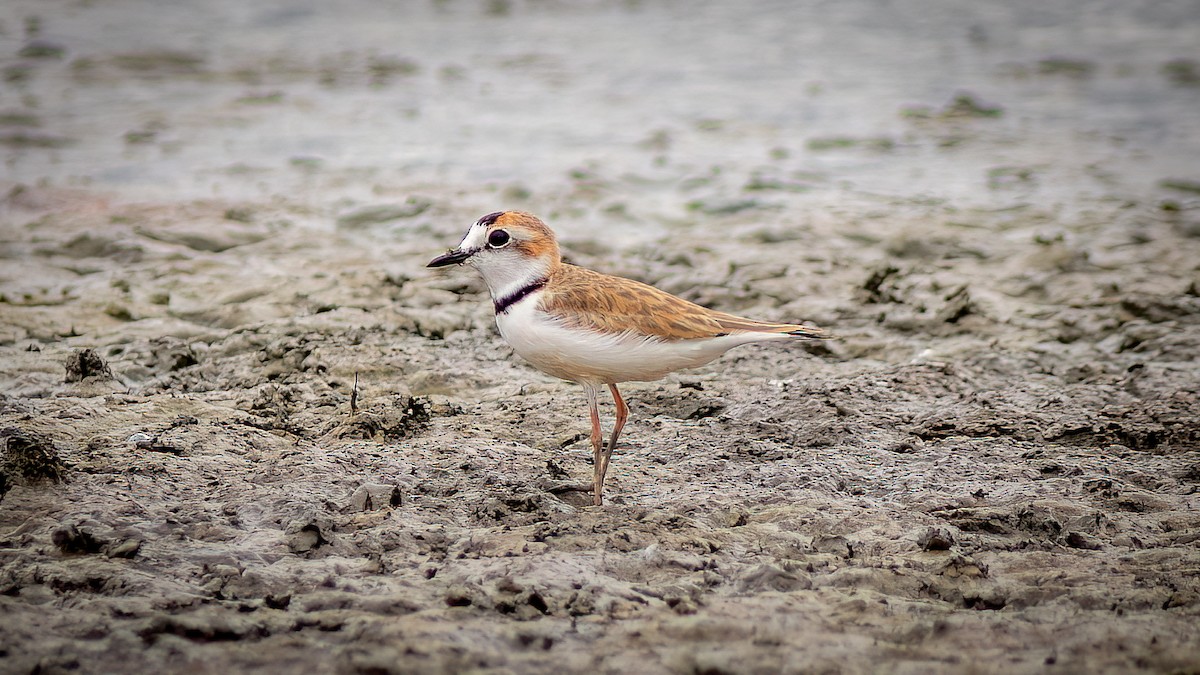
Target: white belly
(588, 356)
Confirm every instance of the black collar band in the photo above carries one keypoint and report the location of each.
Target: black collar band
(503, 304)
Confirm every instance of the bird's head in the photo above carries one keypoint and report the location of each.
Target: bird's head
(511, 249)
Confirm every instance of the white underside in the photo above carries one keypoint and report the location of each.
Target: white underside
(592, 357)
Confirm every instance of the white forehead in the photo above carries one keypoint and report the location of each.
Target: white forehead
(475, 239)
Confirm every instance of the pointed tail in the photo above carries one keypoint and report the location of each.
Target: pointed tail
(737, 323)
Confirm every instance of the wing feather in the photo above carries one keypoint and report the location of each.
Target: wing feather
(581, 297)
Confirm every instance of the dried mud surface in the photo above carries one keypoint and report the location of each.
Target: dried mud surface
(244, 429)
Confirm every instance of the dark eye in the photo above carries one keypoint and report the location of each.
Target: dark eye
(498, 239)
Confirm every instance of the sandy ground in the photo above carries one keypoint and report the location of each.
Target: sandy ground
(214, 222)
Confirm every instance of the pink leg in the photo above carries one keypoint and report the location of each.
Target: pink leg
(622, 415)
(597, 448)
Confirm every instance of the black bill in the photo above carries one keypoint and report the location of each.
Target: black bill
(450, 258)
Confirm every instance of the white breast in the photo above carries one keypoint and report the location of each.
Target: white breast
(582, 355)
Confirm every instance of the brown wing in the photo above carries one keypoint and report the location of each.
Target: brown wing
(610, 304)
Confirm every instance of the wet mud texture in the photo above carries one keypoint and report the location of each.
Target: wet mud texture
(242, 428)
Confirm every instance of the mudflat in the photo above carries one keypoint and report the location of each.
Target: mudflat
(243, 429)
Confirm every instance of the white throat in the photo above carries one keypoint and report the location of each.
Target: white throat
(507, 274)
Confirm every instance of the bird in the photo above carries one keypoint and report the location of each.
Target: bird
(591, 328)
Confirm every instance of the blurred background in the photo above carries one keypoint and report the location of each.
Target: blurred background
(624, 113)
